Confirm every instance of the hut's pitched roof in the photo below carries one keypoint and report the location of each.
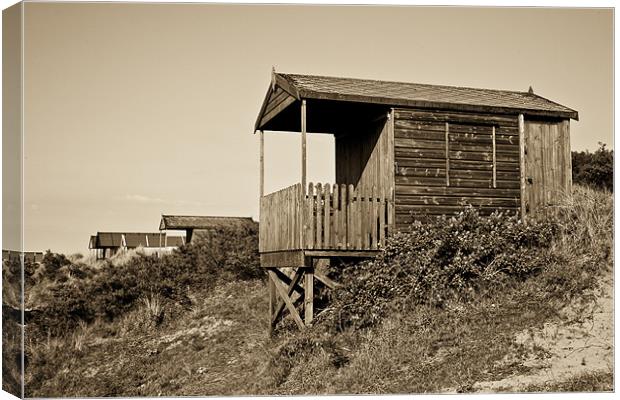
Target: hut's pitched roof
(132, 240)
(109, 239)
(143, 239)
(409, 94)
(203, 222)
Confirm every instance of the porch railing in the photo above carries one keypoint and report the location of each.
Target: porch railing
(324, 217)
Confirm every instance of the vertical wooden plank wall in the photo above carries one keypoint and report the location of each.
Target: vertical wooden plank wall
(548, 169)
(365, 158)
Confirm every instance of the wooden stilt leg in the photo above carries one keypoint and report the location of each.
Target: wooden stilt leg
(309, 296)
(272, 303)
(282, 292)
(292, 287)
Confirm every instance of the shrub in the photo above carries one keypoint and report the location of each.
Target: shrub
(53, 262)
(441, 260)
(594, 169)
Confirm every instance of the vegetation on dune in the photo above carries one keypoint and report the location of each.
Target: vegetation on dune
(590, 382)
(441, 307)
(451, 258)
(71, 298)
(594, 169)
(438, 310)
(65, 292)
(11, 330)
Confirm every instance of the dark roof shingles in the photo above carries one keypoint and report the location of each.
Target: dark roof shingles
(204, 222)
(401, 93)
(132, 240)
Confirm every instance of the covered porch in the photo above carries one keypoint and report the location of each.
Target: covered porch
(347, 218)
(307, 226)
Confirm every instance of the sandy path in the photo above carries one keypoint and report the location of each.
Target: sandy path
(582, 345)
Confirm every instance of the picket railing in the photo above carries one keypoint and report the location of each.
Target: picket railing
(280, 224)
(324, 217)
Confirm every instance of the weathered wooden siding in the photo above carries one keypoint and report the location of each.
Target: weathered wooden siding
(364, 158)
(446, 160)
(547, 163)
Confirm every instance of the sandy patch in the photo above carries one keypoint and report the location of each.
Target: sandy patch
(203, 329)
(582, 345)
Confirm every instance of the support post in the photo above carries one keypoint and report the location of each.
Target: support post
(287, 300)
(159, 251)
(303, 143)
(262, 163)
(272, 302)
(309, 296)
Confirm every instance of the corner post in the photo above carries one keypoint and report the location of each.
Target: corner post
(568, 152)
(303, 143)
(522, 164)
(392, 167)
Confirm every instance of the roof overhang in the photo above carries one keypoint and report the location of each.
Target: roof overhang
(185, 222)
(283, 94)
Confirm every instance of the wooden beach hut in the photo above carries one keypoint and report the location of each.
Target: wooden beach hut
(107, 244)
(404, 151)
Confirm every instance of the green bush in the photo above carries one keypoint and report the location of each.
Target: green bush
(438, 261)
(594, 169)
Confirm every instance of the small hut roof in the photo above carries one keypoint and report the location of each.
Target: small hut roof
(132, 240)
(203, 222)
(140, 239)
(109, 239)
(407, 94)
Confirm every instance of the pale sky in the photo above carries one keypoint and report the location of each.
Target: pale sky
(134, 110)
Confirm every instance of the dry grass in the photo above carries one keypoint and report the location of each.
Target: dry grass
(125, 256)
(153, 306)
(216, 348)
(601, 381)
(587, 222)
(80, 336)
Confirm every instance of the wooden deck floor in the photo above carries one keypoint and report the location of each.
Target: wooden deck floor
(302, 258)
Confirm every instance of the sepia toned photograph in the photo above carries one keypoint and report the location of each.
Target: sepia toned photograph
(220, 199)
